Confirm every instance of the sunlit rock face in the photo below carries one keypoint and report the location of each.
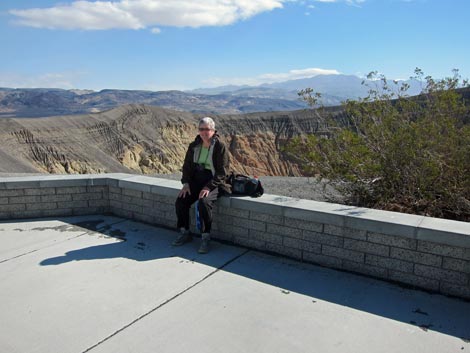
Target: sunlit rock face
(147, 139)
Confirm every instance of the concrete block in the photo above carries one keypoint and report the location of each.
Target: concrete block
(142, 202)
(133, 208)
(97, 189)
(284, 231)
(224, 201)
(235, 212)
(26, 214)
(444, 250)
(21, 183)
(456, 265)
(98, 203)
(392, 240)
(11, 193)
(165, 190)
(302, 224)
(88, 211)
(384, 222)
(81, 197)
(115, 197)
(267, 237)
(367, 247)
(250, 243)
(358, 234)
(416, 257)
(122, 213)
(265, 217)
(24, 199)
(40, 192)
(71, 190)
(44, 206)
(3, 200)
(386, 262)
(115, 204)
(129, 185)
(444, 231)
(222, 236)
(132, 193)
(171, 216)
(72, 204)
(455, 290)
(55, 198)
(333, 230)
(323, 260)
(233, 229)
(57, 212)
(256, 205)
(302, 245)
(365, 269)
(154, 213)
(440, 274)
(224, 219)
(322, 238)
(284, 250)
(64, 181)
(115, 190)
(314, 215)
(252, 224)
(413, 280)
(351, 255)
(164, 207)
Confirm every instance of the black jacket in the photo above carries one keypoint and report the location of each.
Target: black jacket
(219, 163)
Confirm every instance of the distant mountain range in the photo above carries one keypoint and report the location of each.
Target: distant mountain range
(282, 96)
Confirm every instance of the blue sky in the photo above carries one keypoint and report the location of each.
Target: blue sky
(184, 44)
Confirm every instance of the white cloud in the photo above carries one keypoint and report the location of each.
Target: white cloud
(156, 30)
(270, 77)
(137, 14)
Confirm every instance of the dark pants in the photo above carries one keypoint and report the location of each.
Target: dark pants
(205, 204)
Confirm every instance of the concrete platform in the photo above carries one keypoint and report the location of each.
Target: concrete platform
(106, 284)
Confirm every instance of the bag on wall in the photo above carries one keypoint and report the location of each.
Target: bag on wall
(245, 185)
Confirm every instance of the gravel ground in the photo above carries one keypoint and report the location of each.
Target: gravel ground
(296, 187)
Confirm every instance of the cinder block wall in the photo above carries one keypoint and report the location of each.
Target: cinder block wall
(32, 197)
(424, 252)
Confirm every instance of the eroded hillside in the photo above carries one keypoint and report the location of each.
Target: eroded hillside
(147, 139)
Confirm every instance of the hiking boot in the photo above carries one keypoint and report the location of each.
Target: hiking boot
(204, 248)
(183, 238)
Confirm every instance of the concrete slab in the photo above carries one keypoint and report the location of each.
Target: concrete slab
(119, 286)
(26, 236)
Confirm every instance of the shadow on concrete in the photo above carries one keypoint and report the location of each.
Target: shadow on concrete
(429, 312)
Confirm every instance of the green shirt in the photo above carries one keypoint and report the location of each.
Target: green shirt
(203, 158)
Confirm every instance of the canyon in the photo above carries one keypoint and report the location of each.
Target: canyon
(145, 139)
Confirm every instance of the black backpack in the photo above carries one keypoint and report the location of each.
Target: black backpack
(245, 185)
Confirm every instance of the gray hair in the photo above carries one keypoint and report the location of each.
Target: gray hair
(207, 121)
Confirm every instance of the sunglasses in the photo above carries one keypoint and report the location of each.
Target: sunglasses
(205, 129)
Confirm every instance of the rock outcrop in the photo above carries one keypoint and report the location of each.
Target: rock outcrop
(149, 140)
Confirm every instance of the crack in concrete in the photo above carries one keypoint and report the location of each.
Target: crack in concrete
(167, 301)
(104, 227)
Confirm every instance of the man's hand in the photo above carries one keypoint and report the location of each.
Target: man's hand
(184, 190)
(204, 192)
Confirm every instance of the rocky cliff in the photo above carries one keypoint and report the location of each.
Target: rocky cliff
(148, 139)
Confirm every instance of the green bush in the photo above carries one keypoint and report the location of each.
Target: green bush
(396, 152)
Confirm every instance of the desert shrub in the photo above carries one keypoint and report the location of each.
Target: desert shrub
(396, 152)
